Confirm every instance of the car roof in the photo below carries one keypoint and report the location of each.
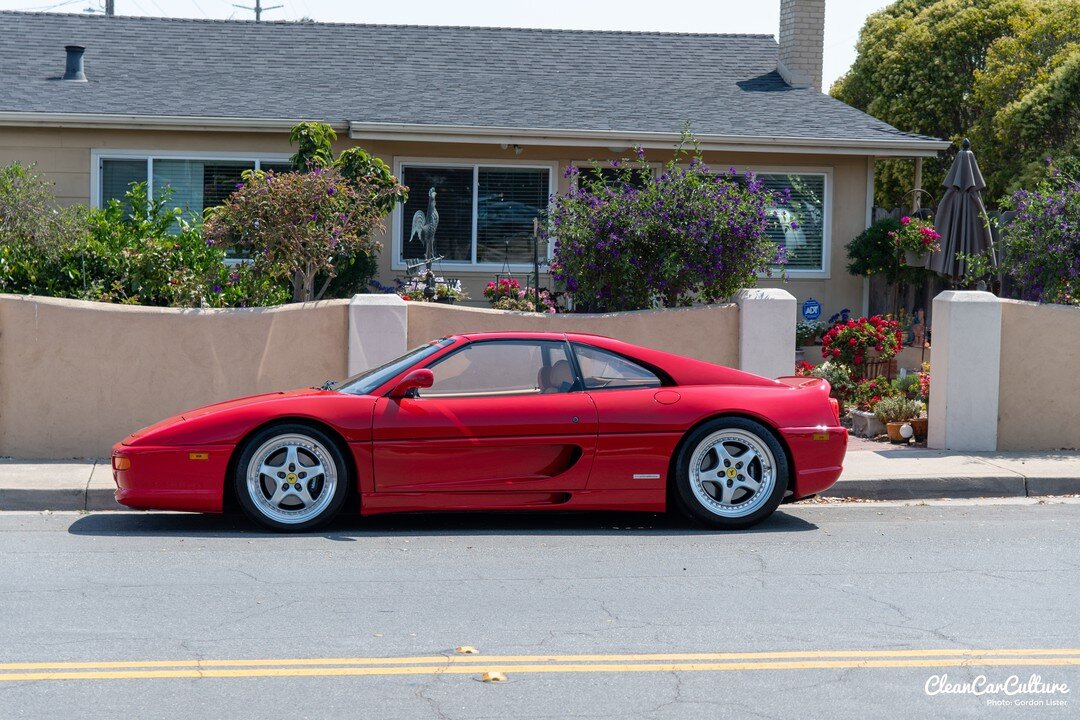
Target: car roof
(601, 340)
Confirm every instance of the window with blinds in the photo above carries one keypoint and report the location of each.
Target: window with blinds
(799, 226)
(117, 177)
(192, 185)
(486, 214)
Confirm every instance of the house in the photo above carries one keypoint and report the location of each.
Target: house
(488, 117)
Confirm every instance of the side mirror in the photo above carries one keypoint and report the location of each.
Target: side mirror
(411, 383)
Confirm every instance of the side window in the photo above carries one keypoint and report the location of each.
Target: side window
(603, 370)
(512, 367)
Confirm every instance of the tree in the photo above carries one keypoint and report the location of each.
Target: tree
(953, 68)
(294, 226)
(1028, 98)
(314, 145)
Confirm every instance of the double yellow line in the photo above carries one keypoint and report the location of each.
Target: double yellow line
(475, 664)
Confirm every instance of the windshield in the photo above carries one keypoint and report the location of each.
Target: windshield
(367, 381)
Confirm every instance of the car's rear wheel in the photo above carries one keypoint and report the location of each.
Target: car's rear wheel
(291, 478)
(731, 473)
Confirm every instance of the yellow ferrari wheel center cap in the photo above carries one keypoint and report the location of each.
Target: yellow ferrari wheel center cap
(291, 477)
(731, 472)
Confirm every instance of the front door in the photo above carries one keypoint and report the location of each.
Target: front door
(501, 415)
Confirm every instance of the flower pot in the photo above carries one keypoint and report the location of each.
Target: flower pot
(916, 259)
(800, 355)
(445, 300)
(919, 425)
(864, 424)
(895, 437)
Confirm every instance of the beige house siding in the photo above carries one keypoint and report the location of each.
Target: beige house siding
(64, 156)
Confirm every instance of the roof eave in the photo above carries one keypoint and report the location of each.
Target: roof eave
(147, 122)
(900, 147)
(407, 132)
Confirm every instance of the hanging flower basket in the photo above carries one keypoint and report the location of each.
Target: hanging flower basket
(916, 259)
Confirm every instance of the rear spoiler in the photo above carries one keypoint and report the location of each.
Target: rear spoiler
(801, 382)
(812, 383)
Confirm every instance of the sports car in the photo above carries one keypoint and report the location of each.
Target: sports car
(499, 421)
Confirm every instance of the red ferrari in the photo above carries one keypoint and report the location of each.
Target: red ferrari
(499, 421)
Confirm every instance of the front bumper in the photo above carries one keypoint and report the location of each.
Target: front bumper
(818, 453)
(171, 478)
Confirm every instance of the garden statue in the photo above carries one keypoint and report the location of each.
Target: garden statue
(424, 226)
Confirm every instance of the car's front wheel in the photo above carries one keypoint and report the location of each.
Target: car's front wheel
(731, 473)
(291, 478)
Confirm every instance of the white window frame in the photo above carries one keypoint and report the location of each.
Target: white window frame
(100, 154)
(825, 273)
(397, 220)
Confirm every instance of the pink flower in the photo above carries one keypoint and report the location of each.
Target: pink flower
(905, 220)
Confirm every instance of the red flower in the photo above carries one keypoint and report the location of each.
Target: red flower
(853, 342)
(836, 352)
(858, 359)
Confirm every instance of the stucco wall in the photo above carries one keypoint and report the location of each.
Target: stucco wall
(76, 377)
(64, 155)
(707, 333)
(1039, 385)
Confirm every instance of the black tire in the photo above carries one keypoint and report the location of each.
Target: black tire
(311, 443)
(710, 510)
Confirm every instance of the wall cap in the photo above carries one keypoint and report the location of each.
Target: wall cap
(967, 296)
(377, 299)
(758, 294)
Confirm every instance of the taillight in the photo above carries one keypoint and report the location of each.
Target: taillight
(835, 409)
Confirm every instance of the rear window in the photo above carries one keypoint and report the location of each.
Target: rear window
(603, 370)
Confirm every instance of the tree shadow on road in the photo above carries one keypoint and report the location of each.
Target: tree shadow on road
(349, 528)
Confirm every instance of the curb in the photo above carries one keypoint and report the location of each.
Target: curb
(100, 497)
(922, 488)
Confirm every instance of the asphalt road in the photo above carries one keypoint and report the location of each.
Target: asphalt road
(841, 611)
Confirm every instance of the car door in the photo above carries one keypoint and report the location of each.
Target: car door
(501, 415)
(639, 423)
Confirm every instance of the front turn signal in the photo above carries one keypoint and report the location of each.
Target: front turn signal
(120, 463)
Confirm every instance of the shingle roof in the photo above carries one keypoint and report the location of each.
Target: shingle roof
(485, 77)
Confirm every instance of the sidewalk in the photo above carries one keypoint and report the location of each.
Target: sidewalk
(872, 471)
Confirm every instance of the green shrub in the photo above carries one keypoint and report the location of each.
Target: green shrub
(897, 408)
(838, 376)
(135, 251)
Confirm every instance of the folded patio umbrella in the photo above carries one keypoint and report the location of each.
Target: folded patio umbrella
(961, 217)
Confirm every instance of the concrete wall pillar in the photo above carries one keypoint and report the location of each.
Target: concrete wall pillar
(766, 331)
(378, 330)
(965, 371)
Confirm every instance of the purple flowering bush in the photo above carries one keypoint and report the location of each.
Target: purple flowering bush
(292, 226)
(1040, 246)
(629, 241)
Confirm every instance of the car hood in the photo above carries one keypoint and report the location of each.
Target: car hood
(218, 407)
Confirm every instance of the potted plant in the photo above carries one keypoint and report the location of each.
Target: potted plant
(867, 394)
(916, 239)
(895, 411)
(866, 344)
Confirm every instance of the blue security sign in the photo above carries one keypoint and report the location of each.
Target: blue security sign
(811, 310)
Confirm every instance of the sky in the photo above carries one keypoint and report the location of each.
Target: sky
(843, 18)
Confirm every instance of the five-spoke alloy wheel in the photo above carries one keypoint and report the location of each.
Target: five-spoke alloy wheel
(731, 473)
(291, 477)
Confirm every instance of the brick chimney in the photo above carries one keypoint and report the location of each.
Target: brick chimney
(802, 41)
